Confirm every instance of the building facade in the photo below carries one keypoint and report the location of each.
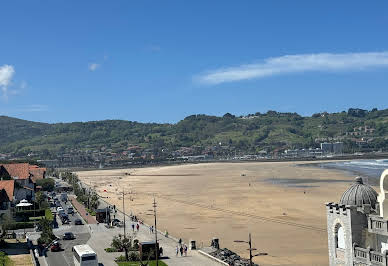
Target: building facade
(357, 225)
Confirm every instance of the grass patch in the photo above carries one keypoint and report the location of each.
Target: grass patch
(5, 260)
(49, 215)
(23, 259)
(136, 263)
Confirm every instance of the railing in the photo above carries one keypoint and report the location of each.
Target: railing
(376, 257)
(369, 257)
(361, 253)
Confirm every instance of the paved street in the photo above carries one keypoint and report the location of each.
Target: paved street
(82, 235)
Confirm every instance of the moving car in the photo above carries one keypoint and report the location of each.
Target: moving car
(78, 222)
(68, 236)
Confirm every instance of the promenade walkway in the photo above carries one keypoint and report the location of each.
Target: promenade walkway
(82, 211)
(101, 238)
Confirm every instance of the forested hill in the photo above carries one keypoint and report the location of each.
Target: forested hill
(248, 134)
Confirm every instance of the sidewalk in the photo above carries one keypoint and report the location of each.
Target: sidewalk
(82, 211)
(101, 238)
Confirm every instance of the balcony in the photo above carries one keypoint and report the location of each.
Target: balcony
(369, 257)
(377, 225)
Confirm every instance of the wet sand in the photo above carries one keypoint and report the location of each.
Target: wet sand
(280, 203)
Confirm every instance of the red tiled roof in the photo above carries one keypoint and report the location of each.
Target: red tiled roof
(37, 173)
(8, 186)
(19, 170)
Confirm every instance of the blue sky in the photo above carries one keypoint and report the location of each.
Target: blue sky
(161, 61)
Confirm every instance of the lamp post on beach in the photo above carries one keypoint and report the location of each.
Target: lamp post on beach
(156, 233)
(249, 242)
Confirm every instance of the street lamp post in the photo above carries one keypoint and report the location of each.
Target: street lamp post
(156, 232)
(249, 242)
(156, 236)
(124, 214)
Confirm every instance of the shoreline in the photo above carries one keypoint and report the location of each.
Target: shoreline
(372, 156)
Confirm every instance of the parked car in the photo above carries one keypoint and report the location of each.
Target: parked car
(60, 209)
(68, 236)
(70, 210)
(56, 246)
(78, 222)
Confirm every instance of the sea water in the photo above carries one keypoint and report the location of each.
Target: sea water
(369, 169)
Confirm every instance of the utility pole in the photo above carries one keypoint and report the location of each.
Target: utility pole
(156, 236)
(250, 250)
(124, 214)
(249, 242)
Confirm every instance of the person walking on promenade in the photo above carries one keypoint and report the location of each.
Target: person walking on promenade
(150, 230)
(185, 250)
(177, 250)
(181, 250)
(137, 227)
(180, 241)
(133, 227)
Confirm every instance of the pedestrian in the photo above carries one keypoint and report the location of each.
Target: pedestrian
(150, 230)
(133, 227)
(160, 251)
(181, 250)
(180, 241)
(137, 227)
(185, 249)
(177, 250)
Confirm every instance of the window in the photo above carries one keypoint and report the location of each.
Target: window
(90, 257)
(339, 236)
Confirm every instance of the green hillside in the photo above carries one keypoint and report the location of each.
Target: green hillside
(249, 134)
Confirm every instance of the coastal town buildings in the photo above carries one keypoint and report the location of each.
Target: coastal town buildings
(357, 226)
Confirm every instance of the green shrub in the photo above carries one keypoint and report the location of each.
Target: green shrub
(36, 218)
(120, 258)
(48, 184)
(30, 213)
(49, 215)
(111, 250)
(20, 225)
(134, 256)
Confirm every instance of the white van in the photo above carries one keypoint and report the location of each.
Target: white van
(84, 256)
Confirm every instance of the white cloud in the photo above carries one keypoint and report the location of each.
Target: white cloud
(94, 66)
(33, 108)
(6, 74)
(297, 63)
(23, 85)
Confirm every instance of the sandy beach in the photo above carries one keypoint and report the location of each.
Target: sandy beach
(281, 204)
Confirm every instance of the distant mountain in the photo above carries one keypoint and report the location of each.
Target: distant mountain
(248, 134)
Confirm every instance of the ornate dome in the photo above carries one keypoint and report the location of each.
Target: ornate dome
(358, 194)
